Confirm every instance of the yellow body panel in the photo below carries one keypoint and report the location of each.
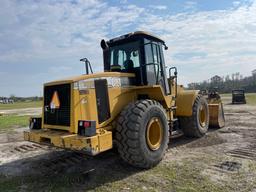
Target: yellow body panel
(90, 76)
(155, 92)
(102, 141)
(83, 104)
(118, 99)
(185, 101)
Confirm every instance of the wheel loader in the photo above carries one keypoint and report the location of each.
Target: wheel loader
(135, 105)
(238, 96)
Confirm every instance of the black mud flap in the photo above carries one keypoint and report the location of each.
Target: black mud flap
(102, 100)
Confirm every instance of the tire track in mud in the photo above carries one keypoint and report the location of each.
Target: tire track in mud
(22, 148)
(27, 159)
(61, 163)
(242, 122)
(248, 152)
(26, 148)
(240, 133)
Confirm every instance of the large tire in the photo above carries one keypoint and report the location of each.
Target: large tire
(197, 124)
(135, 123)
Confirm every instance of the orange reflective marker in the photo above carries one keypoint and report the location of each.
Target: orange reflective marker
(55, 102)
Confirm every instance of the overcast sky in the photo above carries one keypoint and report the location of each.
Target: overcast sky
(41, 41)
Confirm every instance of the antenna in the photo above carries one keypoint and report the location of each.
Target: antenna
(87, 65)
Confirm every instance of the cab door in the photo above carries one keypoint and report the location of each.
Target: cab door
(154, 67)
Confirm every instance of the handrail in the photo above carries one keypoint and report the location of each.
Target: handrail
(175, 76)
(87, 65)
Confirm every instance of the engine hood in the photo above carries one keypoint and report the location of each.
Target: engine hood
(83, 77)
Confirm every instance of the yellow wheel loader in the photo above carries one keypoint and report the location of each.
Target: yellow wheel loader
(134, 104)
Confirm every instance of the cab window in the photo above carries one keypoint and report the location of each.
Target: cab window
(125, 56)
(153, 59)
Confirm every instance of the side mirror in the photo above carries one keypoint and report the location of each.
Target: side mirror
(103, 44)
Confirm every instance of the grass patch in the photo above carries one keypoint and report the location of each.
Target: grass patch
(226, 95)
(8, 185)
(182, 176)
(171, 176)
(250, 98)
(13, 121)
(21, 105)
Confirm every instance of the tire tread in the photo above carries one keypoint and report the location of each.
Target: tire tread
(127, 133)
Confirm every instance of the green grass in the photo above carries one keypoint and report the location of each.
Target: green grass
(179, 176)
(20, 105)
(225, 95)
(250, 98)
(13, 121)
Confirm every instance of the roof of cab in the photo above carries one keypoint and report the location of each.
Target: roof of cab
(134, 35)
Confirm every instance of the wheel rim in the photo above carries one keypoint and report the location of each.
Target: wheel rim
(154, 134)
(202, 116)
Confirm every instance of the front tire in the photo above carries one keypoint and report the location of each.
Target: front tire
(197, 124)
(142, 133)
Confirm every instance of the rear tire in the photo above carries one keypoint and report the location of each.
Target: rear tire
(142, 133)
(197, 124)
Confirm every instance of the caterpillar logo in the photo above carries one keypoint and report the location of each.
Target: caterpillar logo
(55, 102)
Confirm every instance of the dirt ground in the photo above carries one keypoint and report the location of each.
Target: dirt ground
(27, 111)
(223, 160)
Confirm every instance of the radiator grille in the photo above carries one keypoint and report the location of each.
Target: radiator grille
(61, 115)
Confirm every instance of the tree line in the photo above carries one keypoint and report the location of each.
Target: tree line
(227, 83)
(21, 99)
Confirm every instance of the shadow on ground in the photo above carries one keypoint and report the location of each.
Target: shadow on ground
(68, 170)
(211, 138)
(64, 170)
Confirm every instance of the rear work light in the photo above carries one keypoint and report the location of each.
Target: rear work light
(86, 124)
(35, 123)
(87, 128)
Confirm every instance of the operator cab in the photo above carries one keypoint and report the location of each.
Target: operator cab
(139, 53)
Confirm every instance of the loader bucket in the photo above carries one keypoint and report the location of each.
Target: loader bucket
(216, 115)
